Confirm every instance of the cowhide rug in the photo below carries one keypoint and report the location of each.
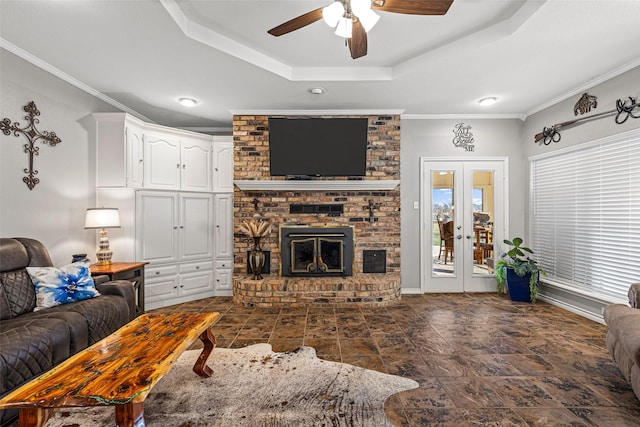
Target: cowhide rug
(256, 387)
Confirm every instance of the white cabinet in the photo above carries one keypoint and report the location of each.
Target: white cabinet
(119, 150)
(134, 137)
(223, 164)
(174, 227)
(134, 154)
(174, 190)
(157, 219)
(162, 162)
(223, 226)
(223, 243)
(175, 234)
(224, 277)
(174, 163)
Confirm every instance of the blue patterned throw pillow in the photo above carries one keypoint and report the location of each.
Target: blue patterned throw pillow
(55, 286)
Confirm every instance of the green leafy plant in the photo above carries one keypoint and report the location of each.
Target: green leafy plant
(517, 260)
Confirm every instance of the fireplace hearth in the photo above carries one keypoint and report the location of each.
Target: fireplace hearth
(316, 251)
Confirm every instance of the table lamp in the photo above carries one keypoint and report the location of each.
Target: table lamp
(102, 218)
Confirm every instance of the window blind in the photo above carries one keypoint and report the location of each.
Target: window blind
(585, 215)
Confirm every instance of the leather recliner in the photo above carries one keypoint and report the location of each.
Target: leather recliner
(32, 342)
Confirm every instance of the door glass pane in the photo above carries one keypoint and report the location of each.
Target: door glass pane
(442, 209)
(483, 214)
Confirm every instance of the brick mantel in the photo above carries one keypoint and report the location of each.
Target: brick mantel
(319, 185)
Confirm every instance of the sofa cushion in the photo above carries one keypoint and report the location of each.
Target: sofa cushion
(76, 323)
(104, 314)
(624, 325)
(29, 348)
(55, 286)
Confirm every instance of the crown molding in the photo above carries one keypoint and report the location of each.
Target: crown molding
(584, 87)
(462, 116)
(10, 47)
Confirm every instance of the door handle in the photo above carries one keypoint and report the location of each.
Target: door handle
(468, 236)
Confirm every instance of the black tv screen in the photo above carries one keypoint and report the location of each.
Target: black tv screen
(318, 147)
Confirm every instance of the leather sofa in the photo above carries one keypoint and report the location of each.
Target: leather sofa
(623, 336)
(32, 342)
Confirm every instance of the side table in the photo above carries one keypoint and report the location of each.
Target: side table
(132, 271)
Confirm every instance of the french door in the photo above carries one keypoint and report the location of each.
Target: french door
(463, 222)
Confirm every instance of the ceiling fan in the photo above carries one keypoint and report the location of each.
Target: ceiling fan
(352, 19)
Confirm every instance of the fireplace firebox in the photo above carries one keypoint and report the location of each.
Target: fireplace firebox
(316, 251)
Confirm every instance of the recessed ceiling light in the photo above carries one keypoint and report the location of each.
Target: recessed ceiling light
(490, 100)
(188, 102)
(317, 90)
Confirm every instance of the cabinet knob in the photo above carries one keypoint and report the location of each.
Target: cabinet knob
(178, 165)
(215, 169)
(182, 226)
(175, 287)
(184, 166)
(217, 226)
(197, 267)
(157, 272)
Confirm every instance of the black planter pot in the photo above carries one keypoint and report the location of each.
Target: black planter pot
(518, 287)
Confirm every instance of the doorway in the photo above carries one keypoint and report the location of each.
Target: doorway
(463, 214)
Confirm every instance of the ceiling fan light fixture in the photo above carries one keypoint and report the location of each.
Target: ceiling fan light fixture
(344, 27)
(368, 19)
(332, 13)
(489, 100)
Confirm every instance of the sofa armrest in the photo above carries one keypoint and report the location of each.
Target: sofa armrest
(123, 288)
(634, 295)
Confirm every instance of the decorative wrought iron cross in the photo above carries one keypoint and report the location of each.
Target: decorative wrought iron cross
(32, 134)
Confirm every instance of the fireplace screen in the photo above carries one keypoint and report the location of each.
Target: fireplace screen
(317, 255)
(313, 251)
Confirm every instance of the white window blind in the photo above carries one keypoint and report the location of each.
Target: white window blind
(585, 215)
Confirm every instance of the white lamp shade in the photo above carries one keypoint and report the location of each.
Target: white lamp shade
(102, 218)
(332, 13)
(344, 27)
(360, 6)
(368, 18)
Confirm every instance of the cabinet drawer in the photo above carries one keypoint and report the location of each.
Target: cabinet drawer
(194, 267)
(160, 271)
(224, 263)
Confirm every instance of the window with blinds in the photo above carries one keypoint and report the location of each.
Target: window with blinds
(585, 215)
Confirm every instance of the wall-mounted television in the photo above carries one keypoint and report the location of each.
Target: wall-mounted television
(318, 147)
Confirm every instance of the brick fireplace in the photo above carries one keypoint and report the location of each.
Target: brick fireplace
(369, 206)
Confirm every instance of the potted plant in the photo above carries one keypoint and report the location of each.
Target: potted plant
(520, 273)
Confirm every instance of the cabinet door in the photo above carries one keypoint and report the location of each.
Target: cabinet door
(135, 156)
(157, 226)
(196, 226)
(223, 166)
(161, 285)
(195, 170)
(195, 283)
(223, 244)
(161, 162)
(224, 280)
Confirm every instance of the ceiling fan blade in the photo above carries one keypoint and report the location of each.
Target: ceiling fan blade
(413, 7)
(358, 40)
(297, 23)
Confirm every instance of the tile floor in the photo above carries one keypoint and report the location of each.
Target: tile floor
(480, 359)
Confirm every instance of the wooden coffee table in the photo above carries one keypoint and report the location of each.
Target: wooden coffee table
(119, 370)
